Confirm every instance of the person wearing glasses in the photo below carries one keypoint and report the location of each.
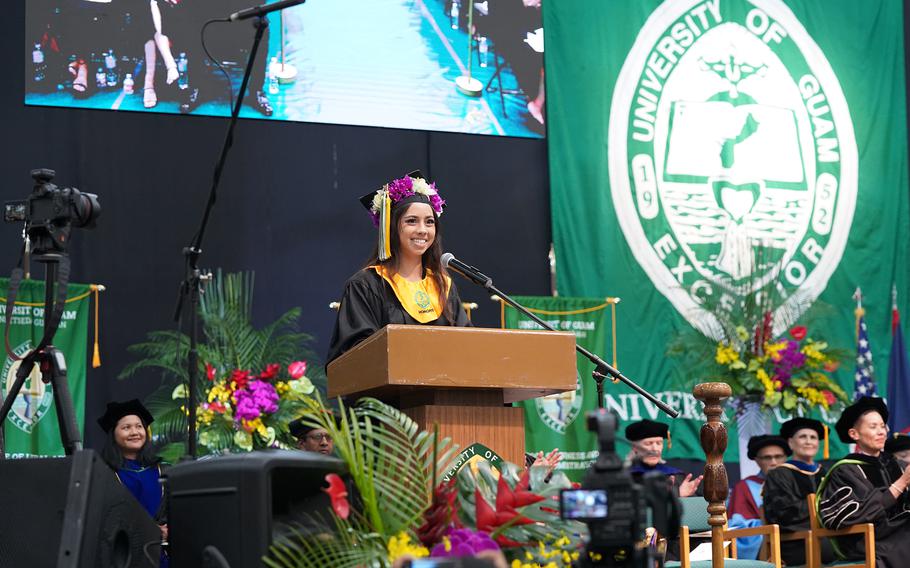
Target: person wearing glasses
(745, 508)
(310, 439)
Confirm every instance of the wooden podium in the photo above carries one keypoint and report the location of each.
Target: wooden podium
(460, 378)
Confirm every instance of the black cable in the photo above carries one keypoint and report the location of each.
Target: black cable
(215, 61)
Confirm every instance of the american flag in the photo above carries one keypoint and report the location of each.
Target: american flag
(864, 384)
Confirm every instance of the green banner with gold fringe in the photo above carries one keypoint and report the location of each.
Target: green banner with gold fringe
(31, 427)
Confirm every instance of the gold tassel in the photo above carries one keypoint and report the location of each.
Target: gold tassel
(669, 440)
(96, 353)
(385, 220)
(825, 453)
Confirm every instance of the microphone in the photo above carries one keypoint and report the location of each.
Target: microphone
(449, 261)
(263, 10)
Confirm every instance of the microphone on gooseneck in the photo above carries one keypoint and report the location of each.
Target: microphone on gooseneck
(247, 13)
(449, 261)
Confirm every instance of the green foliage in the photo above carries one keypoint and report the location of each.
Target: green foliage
(229, 341)
(392, 464)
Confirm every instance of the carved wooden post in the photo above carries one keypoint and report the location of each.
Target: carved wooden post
(714, 443)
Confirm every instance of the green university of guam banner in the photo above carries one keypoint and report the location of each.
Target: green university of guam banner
(685, 131)
(558, 421)
(31, 427)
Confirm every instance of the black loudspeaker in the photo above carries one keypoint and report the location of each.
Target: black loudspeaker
(72, 512)
(231, 507)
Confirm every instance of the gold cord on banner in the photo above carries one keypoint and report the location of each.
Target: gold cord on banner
(96, 350)
(611, 301)
(93, 289)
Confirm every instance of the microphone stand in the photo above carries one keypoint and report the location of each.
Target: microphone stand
(601, 367)
(191, 286)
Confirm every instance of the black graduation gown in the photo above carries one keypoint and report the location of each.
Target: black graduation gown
(369, 304)
(784, 501)
(855, 491)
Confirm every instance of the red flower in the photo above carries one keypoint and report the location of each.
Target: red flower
(216, 407)
(831, 366)
(209, 372)
(508, 500)
(486, 517)
(338, 493)
(829, 396)
(297, 369)
(241, 378)
(271, 371)
(798, 332)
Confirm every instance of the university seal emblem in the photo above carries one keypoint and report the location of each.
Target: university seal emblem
(34, 399)
(733, 162)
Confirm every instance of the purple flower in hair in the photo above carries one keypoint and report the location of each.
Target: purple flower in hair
(437, 202)
(401, 188)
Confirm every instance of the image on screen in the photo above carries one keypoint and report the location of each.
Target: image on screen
(584, 503)
(391, 63)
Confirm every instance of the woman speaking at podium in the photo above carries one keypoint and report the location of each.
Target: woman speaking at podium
(404, 282)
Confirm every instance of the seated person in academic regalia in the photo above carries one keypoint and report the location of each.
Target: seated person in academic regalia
(128, 452)
(788, 485)
(746, 498)
(867, 486)
(898, 445)
(311, 439)
(647, 439)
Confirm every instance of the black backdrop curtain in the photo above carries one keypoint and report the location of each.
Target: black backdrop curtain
(287, 208)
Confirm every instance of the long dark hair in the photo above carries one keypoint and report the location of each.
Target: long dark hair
(113, 456)
(431, 259)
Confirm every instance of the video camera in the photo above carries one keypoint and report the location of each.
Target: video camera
(50, 212)
(615, 506)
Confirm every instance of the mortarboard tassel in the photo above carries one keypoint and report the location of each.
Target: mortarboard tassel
(825, 453)
(669, 440)
(385, 220)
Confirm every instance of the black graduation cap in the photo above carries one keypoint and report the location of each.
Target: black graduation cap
(756, 443)
(381, 212)
(298, 428)
(646, 429)
(897, 442)
(367, 200)
(789, 428)
(117, 410)
(852, 414)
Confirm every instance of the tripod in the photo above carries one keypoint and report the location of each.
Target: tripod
(49, 359)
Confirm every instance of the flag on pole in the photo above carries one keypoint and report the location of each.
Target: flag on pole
(864, 378)
(898, 374)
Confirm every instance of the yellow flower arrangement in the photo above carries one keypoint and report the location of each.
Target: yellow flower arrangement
(400, 545)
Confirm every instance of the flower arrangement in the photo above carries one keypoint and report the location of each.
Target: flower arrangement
(402, 512)
(791, 372)
(242, 411)
(400, 188)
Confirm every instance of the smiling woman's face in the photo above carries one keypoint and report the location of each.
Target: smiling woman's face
(129, 435)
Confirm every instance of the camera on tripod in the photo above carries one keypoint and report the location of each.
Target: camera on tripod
(615, 506)
(50, 212)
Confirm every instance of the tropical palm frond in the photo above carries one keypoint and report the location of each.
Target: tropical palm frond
(378, 442)
(350, 545)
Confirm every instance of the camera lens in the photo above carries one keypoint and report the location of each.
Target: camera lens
(86, 208)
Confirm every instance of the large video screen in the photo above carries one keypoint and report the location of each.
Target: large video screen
(448, 65)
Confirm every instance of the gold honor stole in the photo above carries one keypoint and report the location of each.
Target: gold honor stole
(420, 299)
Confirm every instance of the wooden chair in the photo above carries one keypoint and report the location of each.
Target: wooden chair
(818, 532)
(695, 523)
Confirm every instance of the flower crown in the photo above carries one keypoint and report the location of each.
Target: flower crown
(402, 188)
